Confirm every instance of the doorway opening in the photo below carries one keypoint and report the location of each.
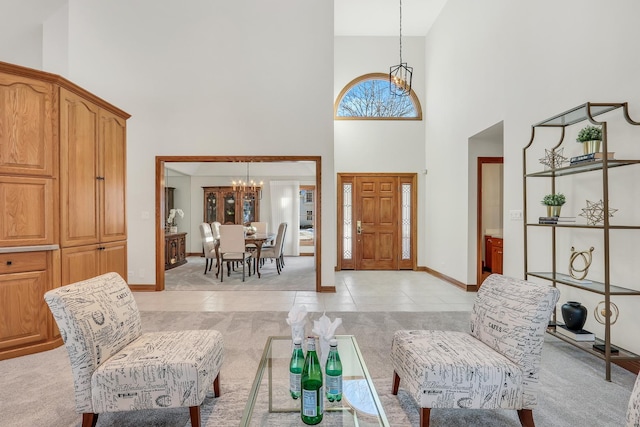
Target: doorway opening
(490, 217)
(161, 215)
(307, 219)
(377, 227)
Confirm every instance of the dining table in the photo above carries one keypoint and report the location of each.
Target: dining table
(257, 239)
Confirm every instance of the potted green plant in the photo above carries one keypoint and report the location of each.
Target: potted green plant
(554, 203)
(590, 137)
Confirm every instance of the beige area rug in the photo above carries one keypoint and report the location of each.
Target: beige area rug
(37, 390)
(298, 274)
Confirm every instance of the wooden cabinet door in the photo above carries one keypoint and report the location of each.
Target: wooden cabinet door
(23, 317)
(26, 127)
(79, 219)
(112, 177)
(80, 263)
(28, 212)
(113, 257)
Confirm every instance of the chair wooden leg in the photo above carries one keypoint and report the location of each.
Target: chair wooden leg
(424, 417)
(206, 264)
(194, 412)
(89, 419)
(396, 383)
(216, 385)
(526, 417)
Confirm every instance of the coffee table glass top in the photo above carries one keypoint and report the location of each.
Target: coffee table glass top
(270, 404)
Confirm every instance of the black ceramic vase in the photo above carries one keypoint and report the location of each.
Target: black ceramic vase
(574, 315)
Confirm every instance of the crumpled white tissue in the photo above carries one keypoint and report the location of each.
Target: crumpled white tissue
(296, 319)
(325, 329)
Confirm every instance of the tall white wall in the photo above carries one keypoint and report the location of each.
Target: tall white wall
(245, 77)
(382, 145)
(521, 62)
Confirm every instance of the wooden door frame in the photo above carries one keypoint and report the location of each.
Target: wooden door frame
(479, 240)
(414, 212)
(160, 214)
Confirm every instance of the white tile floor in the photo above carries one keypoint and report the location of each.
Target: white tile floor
(355, 291)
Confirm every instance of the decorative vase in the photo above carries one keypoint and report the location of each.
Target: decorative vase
(553, 210)
(591, 146)
(173, 229)
(574, 315)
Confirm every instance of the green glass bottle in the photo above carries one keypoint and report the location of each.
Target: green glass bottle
(312, 390)
(295, 368)
(333, 371)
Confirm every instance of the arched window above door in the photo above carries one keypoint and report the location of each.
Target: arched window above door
(368, 97)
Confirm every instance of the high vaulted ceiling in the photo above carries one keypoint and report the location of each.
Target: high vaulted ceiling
(352, 17)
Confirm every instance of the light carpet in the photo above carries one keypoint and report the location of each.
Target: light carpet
(297, 275)
(37, 390)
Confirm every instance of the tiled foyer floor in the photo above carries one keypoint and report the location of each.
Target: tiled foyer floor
(355, 291)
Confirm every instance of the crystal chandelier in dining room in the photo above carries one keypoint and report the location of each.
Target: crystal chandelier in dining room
(249, 183)
(400, 75)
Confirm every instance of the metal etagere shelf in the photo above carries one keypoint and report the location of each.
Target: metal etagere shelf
(583, 113)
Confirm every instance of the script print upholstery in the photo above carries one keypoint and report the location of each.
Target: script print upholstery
(496, 365)
(633, 410)
(116, 367)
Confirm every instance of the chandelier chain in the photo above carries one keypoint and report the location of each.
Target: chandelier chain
(401, 31)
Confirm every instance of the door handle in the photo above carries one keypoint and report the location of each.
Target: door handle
(359, 227)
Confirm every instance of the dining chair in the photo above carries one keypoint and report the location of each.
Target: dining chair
(274, 252)
(232, 248)
(209, 247)
(261, 227)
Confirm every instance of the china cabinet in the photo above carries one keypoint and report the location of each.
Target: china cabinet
(229, 206)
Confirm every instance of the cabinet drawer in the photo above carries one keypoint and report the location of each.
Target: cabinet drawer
(19, 262)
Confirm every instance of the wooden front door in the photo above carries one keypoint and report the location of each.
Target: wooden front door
(377, 221)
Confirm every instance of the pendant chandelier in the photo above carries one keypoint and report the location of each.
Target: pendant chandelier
(249, 184)
(400, 75)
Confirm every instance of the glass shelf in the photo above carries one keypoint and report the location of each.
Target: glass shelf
(592, 286)
(582, 167)
(594, 227)
(578, 114)
(588, 347)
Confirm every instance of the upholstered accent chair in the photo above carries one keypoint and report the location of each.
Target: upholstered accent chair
(209, 247)
(633, 410)
(118, 368)
(494, 366)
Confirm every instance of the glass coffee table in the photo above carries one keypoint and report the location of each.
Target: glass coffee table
(270, 403)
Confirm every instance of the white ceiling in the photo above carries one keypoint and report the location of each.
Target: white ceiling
(257, 170)
(352, 17)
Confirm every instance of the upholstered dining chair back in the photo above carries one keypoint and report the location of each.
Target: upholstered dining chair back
(232, 239)
(215, 229)
(97, 318)
(208, 239)
(261, 227)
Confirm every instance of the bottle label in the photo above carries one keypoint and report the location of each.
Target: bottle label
(334, 384)
(310, 403)
(294, 382)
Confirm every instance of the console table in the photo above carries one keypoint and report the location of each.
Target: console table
(175, 250)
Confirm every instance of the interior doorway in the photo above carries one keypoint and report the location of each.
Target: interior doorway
(161, 162)
(307, 220)
(490, 217)
(377, 227)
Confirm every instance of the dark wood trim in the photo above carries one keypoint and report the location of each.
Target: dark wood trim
(463, 286)
(159, 190)
(629, 365)
(142, 288)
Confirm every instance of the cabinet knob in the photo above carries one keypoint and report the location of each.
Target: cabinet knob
(100, 178)
(9, 262)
